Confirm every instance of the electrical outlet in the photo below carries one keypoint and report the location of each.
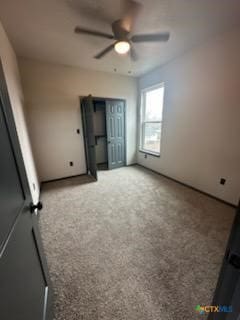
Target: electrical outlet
(222, 181)
(71, 163)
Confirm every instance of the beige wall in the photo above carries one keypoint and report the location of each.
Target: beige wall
(52, 99)
(11, 72)
(201, 132)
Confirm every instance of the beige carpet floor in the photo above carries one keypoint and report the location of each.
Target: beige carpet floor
(132, 246)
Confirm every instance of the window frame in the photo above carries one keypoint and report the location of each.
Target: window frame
(143, 122)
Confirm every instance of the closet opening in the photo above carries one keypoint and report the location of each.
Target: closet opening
(100, 133)
(104, 133)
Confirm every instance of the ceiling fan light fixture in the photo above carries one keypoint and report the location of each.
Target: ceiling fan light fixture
(122, 47)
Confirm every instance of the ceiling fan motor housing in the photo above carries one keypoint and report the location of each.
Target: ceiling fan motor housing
(119, 32)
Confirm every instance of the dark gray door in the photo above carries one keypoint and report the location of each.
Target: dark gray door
(228, 287)
(24, 286)
(115, 111)
(89, 137)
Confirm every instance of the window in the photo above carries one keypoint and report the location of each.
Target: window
(151, 119)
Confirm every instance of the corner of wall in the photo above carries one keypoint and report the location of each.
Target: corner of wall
(12, 76)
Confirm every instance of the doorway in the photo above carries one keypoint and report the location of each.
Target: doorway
(100, 132)
(104, 133)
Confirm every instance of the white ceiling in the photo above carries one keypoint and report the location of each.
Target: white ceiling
(43, 29)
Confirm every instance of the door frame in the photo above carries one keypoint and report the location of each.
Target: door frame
(17, 153)
(125, 122)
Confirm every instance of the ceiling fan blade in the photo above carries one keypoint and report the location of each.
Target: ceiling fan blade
(93, 33)
(133, 53)
(163, 36)
(104, 52)
(132, 10)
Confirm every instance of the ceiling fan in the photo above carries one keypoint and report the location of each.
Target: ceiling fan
(123, 40)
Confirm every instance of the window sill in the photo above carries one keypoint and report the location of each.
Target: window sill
(150, 153)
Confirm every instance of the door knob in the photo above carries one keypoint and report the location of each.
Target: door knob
(37, 206)
(234, 259)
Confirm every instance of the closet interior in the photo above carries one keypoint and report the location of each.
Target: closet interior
(100, 133)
